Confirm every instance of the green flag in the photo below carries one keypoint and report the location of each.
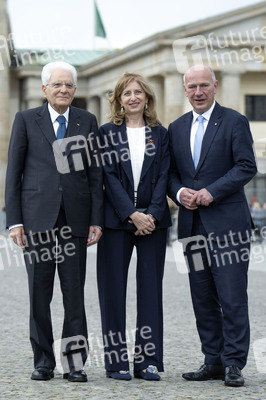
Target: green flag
(99, 28)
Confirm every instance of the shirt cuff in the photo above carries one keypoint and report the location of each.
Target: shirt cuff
(14, 226)
(210, 194)
(178, 194)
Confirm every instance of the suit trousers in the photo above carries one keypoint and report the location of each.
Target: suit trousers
(46, 252)
(218, 279)
(113, 257)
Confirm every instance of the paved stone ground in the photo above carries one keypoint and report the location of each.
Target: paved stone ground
(182, 347)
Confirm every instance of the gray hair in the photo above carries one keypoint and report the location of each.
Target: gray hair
(52, 66)
(209, 68)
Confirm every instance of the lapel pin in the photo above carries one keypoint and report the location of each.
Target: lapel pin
(78, 124)
(215, 123)
(150, 141)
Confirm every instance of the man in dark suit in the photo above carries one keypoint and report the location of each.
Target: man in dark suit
(212, 159)
(54, 209)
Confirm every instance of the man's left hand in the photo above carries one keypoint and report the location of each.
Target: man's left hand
(94, 235)
(203, 198)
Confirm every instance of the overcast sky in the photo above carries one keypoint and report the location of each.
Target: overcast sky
(69, 23)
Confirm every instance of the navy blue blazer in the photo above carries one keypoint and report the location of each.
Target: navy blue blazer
(226, 164)
(36, 188)
(118, 177)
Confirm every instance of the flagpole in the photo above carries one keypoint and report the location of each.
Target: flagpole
(94, 24)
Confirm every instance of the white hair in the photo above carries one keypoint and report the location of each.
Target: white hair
(52, 66)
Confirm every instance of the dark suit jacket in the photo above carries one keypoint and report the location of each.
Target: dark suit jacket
(118, 177)
(226, 164)
(35, 188)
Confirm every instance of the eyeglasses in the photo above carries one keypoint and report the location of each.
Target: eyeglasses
(59, 85)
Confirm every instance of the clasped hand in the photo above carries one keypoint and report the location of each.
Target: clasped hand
(191, 199)
(144, 223)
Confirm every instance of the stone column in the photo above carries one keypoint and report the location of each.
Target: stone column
(173, 97)
(104, 109)
(230, 85)
(93, 106)
(32, 92)
(157, 83)
(4, 96)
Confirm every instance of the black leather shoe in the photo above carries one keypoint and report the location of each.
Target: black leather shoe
(233, 376)
(76, 376)
(42, 374)
(205, 373)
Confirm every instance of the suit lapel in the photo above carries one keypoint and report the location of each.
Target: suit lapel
(185, 138)
(45, 124)
(212, 128)
(123, 151)
(74, 124)
(151, 146)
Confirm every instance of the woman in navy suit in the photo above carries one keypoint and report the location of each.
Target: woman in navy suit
(135, 156)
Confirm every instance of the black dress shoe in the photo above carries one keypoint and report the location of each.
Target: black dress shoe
(42, 374)
(205, 373)
(76, 376)
(233, 376)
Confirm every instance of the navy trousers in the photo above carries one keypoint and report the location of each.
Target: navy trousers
(42, 258)
(113, 258)
(218, 279)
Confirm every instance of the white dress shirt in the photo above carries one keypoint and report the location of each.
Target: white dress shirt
(54, 114)
(136, 143)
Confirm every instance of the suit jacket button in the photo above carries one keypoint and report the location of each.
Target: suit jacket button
(60, 189)
(153, 180)
(195, 180)
(141, 181)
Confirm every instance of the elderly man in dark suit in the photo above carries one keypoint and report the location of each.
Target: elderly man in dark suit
(54, 209)
(212, 159)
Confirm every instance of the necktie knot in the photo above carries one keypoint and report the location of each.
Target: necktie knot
(200, 119)
(62, 127)
(61, 119)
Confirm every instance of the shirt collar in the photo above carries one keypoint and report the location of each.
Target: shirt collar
(206, 114)
(54, 114)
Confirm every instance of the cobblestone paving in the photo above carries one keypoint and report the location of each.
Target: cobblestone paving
(182, 347)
